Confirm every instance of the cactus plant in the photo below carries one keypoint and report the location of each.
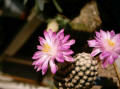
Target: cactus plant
(78, 75)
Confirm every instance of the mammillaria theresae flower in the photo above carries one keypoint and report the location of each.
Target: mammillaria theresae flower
(52, 47)
(108, 44)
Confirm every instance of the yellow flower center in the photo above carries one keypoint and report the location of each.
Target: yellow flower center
(111, 43)
(46, 48)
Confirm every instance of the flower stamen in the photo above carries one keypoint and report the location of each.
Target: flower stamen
(46, 48)
(111, 43)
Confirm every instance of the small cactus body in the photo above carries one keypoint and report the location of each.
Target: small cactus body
(78, 75)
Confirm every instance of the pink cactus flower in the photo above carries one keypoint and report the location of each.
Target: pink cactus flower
(52, 47)
(108, 44)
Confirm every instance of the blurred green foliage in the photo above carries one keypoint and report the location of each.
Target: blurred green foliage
(39, 5)
(61, 20)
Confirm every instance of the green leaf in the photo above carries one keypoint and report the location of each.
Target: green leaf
(25, 1)
(41, 4)
(57, 6)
